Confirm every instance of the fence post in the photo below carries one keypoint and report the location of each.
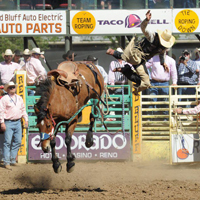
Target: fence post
(21, 81)
(136, 126)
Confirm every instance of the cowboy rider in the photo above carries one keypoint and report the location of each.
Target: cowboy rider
(137, 54)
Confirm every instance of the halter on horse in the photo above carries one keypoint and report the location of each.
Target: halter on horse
(64, 93)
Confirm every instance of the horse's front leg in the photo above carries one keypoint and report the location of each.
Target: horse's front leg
(68, 139)
(89, 136)
(56, 164)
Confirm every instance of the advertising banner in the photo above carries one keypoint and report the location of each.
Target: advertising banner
(21, 22)
(185, 148)
(136, 124)
(21, 83)
(106, 147)
(186, 21)
(117, 21)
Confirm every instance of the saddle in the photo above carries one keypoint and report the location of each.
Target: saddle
(66, 72)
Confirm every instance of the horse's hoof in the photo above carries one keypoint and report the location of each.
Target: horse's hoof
(71, 158)
(70, 167)
(89, 144)
(57, 168)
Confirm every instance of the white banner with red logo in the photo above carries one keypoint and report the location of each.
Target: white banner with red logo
(15, 23)
(117, 21)
(185, 148)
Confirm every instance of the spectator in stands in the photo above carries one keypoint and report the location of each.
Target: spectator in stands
(12, 109)
(94, 60)
(197, 54)
(109, 3)
(35, 71)
(154, 43)
(7, 67)
(116, 78)
(187, 74)
(26, 55)
(191, 111)
(163, 3)
(188, 4)
(69, 56)
(161, 77)
(17, 57)
(197, 60)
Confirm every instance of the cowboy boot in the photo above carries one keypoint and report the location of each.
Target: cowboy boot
(145, 82)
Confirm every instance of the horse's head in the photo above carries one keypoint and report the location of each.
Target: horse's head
(45, 123)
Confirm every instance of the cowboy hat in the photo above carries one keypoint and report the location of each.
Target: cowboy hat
(166, 38)
(27, 52)
(196, 50)
(68, 54)
(91, 58)
(11, 83)
(8, 52)
(37, 50)
(17, 52)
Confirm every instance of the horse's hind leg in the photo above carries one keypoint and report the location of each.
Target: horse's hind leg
(89, 136)
(68, 139)
(56, 164)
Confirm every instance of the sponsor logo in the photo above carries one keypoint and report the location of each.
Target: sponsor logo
(102, 142)
(132, 21)
(182, 154)
(186, 21)
(83, 22)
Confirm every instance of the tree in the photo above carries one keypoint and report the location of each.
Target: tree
(14, 43)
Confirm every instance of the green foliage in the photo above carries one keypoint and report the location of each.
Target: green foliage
(14, 43)
(10, 43)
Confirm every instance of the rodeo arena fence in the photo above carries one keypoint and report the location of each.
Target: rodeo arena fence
(141, 128)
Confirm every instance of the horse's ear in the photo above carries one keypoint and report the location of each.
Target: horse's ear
(36, 109)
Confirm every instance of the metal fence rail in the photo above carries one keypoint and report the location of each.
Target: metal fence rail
(119, 104)
(158, 126)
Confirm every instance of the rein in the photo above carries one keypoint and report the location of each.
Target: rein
(45, 136)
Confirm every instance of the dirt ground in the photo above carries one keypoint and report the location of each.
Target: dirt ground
(102, 181)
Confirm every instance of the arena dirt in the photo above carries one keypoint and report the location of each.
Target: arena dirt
(102, 181)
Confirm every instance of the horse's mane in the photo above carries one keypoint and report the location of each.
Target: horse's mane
(44, 89)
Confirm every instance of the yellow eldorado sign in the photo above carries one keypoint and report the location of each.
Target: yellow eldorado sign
(136, 125)
(21, 82)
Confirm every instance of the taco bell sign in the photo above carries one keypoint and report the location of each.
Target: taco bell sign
(106, 147)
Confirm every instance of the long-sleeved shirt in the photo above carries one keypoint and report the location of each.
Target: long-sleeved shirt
(158, 72)
(34, 69)
(192, 111)
(103, 73)
(187, 73)
(150, 36)
(12, 108)
(116, 77)
(7, 71)
(198, 67)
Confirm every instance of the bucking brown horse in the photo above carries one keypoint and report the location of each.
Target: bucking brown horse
(66, 90)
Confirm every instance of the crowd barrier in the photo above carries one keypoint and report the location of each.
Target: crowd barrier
(166, 135)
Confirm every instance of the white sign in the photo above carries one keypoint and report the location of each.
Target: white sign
(117, 21)
(185, 148)
(13, 23)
